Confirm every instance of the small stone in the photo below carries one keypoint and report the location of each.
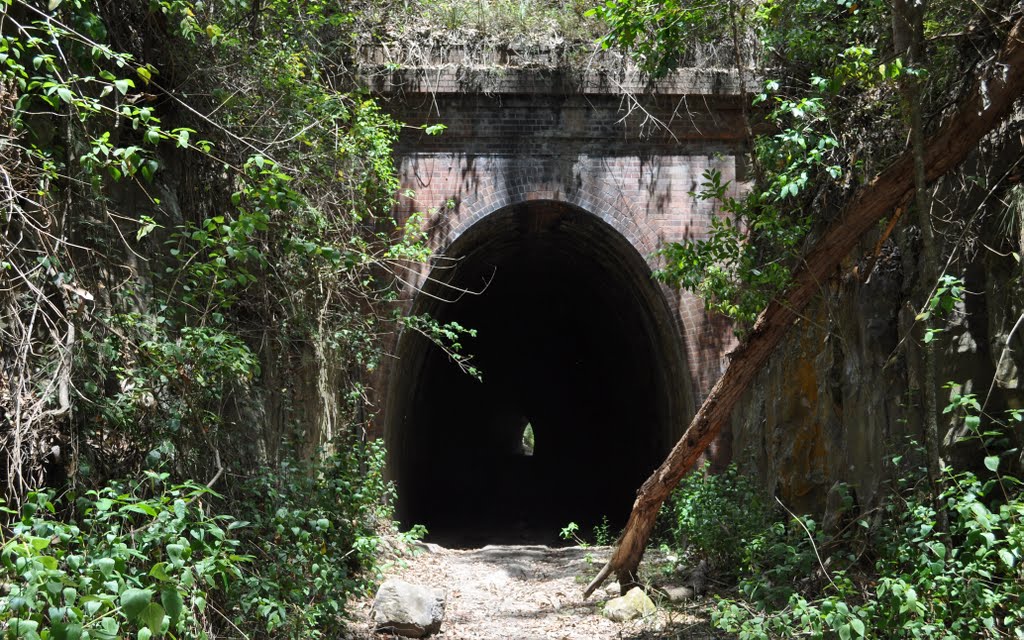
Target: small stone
(678, 594)
(408, 610)
(634, 604)
(613, 589)
(428, 547)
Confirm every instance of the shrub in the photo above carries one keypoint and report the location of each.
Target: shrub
(967, 583)
(711, 516)
(313, 530)
(139, 560)
(146, 560)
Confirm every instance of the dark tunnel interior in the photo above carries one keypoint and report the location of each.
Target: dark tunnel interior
(574, 339)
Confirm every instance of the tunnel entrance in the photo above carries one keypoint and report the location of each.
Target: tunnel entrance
(576, 341)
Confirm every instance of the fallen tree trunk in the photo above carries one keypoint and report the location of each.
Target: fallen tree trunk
(991, 100)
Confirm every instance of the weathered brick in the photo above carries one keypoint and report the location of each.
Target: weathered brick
(517, 139)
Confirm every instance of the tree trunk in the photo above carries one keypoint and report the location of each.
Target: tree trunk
(908, 33)
(977, 115)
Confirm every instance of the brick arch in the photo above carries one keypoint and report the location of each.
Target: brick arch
(514, 152)
(574, 338)
(621, 215)
(646, 200)
(621, 218)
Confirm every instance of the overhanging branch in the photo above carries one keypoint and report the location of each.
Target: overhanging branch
(990, 101)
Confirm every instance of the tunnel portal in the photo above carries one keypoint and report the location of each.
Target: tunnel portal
(574, 339)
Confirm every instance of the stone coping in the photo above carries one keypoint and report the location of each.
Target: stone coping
(536, 71)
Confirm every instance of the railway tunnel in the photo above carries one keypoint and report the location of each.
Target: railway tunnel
(575, 339)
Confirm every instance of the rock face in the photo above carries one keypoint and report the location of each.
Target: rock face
(632, 605)
(407, 609)
(842, 392)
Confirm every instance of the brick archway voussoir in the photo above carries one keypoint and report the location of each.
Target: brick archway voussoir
(621, 215)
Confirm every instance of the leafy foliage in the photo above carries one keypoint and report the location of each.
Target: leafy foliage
(143, 560)
(713, 516)
(198, 255)
(284, 247)
(897, 570)
(735, 277)
(821, 59)
(658, 32)
(313, 532)
(929, 584)
(148, 559)
(497, 23)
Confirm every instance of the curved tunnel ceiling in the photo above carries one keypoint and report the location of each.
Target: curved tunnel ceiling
(576, 340)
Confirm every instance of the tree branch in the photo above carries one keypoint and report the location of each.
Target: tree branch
(989, 102)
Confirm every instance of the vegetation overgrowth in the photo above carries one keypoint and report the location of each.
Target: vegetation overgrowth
(197, 254)
(891, 572)
(496, 23)
(196, 266)
(837, 90)
(825, 81)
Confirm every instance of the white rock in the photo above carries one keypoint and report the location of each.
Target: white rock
(408, 610)
(634, 604)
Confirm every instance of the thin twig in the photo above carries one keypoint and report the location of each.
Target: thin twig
(810, 537)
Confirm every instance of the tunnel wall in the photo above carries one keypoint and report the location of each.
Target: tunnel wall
(574, 338)
(629, 163)
(647, 200)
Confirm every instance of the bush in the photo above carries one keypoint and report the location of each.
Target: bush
(313, 530)
(967, 583)
(146, 560)
(711, 516)
(140, 560)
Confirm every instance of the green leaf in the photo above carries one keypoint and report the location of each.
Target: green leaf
(105, 565)
(65, 94)
(992, 463)
(174, 552)
(108, 629)
(22, 628)
(123, 85)
(148, 224)
(159, 571)
(39, 543)
(1007, 557)
(172, 602)
(858, 626)
(148, 169)
(153, 617)
(145, 74)
(64, 631)
(135, 601)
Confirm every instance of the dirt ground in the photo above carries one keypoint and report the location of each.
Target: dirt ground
(527, 592)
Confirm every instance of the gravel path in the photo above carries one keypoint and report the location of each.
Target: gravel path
(521, 592)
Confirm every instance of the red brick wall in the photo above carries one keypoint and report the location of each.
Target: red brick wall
(632, 161)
